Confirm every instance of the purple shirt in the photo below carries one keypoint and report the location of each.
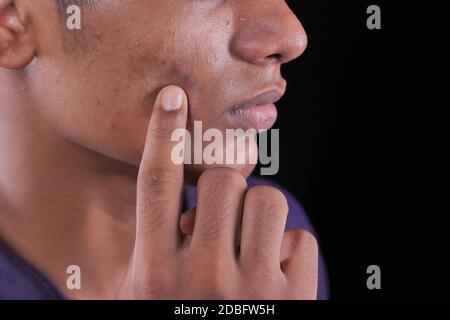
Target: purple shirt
(20, 280)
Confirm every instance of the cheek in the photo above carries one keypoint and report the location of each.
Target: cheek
(176, 69)
(163, 66)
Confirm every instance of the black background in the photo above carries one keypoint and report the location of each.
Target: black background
(359, 125)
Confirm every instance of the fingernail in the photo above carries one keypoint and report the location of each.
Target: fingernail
(172, 98)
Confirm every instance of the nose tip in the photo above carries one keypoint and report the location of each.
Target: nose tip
(272, 39)
(291, 44)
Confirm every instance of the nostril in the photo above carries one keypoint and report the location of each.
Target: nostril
(276, 56)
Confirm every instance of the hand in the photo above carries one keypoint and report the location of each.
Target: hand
(198, 256)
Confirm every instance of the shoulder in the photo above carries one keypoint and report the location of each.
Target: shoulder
(20, 281)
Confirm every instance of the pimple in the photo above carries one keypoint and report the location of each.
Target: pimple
(174, 68)
(190, 80)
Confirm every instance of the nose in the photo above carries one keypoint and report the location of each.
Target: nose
(271, 34)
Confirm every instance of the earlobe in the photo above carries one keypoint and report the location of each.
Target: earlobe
(16, 44)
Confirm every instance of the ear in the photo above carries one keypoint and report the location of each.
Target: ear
(17, 47)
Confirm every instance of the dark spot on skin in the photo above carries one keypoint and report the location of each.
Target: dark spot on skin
(175, 68)
(190, 80)
(228, 22)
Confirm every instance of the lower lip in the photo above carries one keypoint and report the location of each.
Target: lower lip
(258, 117)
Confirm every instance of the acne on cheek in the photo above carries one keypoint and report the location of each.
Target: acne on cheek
(173, 69)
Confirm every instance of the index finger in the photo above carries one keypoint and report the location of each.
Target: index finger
(160, 178)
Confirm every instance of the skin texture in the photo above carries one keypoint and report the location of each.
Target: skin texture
(75, 108)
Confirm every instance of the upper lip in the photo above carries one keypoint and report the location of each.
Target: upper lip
(267, 97)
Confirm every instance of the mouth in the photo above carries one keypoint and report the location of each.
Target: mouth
(259, 113)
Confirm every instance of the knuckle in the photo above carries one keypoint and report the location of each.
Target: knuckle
(155, 191)
(152, 223)
(216, 211)
(267, 199)
(158, 183)
(307, 239)
(223, 177)
(211, 229)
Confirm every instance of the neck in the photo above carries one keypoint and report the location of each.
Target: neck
(62, 204)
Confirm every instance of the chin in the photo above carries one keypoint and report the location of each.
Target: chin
(192, 172)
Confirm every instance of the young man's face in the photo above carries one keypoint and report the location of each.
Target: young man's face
(97, 86)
